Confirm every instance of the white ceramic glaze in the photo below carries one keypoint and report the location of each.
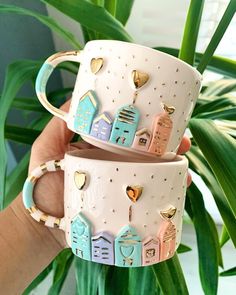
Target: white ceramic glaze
(105, 202)
(171, 82)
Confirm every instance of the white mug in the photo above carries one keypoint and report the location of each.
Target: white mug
(118, 210)
(127, 98)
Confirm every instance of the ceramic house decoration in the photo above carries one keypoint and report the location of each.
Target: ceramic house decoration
(81, 237)
(150, 251)
(167, 236)
(101, 127)
(162, 127)
(86, 110)
(103, 248)
(142, 139)
(128, 248)
(125, 125)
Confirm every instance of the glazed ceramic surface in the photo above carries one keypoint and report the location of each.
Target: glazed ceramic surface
(118, 210)
(127, 99)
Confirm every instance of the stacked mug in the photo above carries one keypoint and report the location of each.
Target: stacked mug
(124, 201)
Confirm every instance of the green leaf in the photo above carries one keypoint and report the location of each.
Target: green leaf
(123, 10)
(220, 87)
(17, 74)
(228, 114)
(224, 238)
(170, 278)
(216, 38)
(28, 104)
(217, 64)
(38, 280)
(110, 6)
(229, 272)
(207, 243)
(198, 163)
(183, 249)
(142, 281)
(21, 134)
(219, 150)
(191, 29)
(46, 20)
(114, 277)
(92, 16)
(61, 265)
(87, 276)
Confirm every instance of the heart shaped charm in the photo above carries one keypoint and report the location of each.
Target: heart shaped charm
(80, 179)
(134, 192)
(169, 213)
(96, 64)
(139, 78)
(170, 110)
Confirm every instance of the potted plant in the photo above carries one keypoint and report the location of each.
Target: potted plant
(212, 155)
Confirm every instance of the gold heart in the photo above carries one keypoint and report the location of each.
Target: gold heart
(169, 110)
(134, 192)
(139, 78)
(169, 213)
(80, 179)
(96, 64)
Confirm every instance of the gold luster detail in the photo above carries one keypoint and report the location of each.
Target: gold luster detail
(96, 64)
(139, 78)
(44, 167)
(43, 218)
(80, 179)
(169, 213)
(134, 192)
(57, 222)
(63, 53)
(33, 178)
(57, 164)
(169, 109)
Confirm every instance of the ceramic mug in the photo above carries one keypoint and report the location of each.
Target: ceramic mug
(118, 210)
(128, 98)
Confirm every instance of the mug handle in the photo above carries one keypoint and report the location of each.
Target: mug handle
(28, 201)
(44, 74)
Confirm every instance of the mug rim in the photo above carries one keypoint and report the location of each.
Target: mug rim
(149, 49)
(88, 154)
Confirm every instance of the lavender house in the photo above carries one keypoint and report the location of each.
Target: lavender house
(101, 127)
(103, 248)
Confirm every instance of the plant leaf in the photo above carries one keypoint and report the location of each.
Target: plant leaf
(216, 38)
(229, 272)
(170, 278)
(17, 74)
(61, 265)
(198, 163)
(123, 10)
(219, 150)
(191, 30)
(87, 276)
(207, 245)
(228, 114)
(218, 64)
(92, 16)
(142, 281)
(38, 280)
(224, 238)
(46, 20)
(183, 249)
(21, 134)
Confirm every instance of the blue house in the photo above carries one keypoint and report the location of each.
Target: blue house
(86, 111)
(125, 125)
(103, 248)
(81, 237)
(101, 127)
(128, 248)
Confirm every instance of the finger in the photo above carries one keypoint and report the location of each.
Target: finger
(189, 180)
(56, 135)
(184, 145)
